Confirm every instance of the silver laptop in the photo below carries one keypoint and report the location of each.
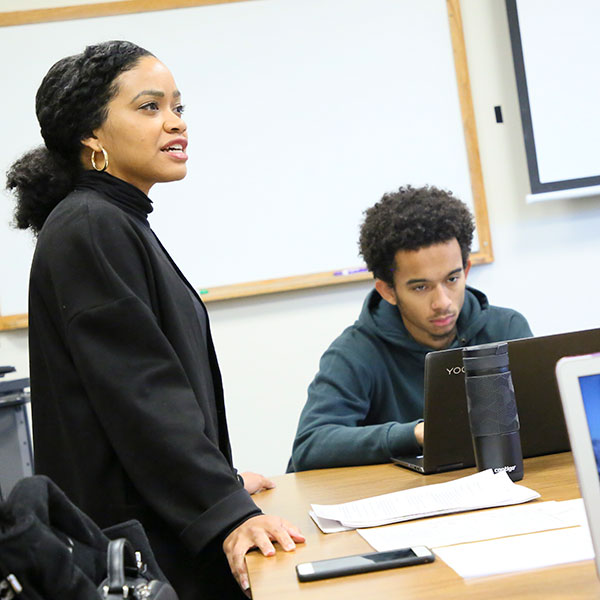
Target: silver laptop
(447, 438)
(579, 383)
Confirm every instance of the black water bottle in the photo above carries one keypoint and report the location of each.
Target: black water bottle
(492, 409)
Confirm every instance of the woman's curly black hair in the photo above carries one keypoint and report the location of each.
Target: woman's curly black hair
(70, 104)
(410, 219)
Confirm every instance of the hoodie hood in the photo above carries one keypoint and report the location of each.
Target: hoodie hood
(383, 320)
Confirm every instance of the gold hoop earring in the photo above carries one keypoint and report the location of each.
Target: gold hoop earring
(105, 166)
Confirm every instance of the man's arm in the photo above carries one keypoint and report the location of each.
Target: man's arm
(332, 430)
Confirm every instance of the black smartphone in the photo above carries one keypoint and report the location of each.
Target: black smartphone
(363, 563)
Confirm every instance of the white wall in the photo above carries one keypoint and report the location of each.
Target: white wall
(545, 266)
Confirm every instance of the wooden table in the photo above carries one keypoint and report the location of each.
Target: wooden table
(274, 577)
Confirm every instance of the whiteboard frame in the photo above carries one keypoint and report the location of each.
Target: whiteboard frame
(326, 278)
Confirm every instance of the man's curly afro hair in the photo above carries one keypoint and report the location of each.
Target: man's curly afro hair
(410, 219)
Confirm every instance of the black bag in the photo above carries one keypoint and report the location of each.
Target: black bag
(51, 550)
(126, 576)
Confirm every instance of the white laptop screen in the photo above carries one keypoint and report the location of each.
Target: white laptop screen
(590, 393)
(578, 379)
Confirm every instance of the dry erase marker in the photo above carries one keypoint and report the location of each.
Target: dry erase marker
(350, 271)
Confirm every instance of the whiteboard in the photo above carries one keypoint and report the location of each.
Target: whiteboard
(300, 113)
(555, 51)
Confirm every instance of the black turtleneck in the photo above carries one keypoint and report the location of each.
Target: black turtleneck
(118, 192)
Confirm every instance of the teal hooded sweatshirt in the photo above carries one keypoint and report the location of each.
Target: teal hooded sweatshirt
(367, 397)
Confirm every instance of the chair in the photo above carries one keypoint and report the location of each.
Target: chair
(16, 454)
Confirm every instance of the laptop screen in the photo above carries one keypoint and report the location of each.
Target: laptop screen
(590, 393)
(578, 379)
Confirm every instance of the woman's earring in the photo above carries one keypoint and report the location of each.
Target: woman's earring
(105, 166)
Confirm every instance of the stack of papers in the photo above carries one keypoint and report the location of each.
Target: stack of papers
(503, 540)
(481, 490)
(478, 526)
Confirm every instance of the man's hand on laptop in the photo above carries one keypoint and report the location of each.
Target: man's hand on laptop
(419, 429)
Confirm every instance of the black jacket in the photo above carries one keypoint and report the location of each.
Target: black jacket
(127, 400)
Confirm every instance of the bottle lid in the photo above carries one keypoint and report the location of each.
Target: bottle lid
(486, 358)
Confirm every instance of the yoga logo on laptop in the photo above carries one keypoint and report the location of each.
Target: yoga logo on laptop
(456, 371)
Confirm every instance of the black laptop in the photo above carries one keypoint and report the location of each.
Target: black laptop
(447, 439)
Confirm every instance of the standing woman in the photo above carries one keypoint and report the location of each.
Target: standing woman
(127, 400)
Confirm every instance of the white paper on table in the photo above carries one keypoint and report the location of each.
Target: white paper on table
(327, 525)
(481, 490)
(571, 512)
(475, 526)
(519, 553)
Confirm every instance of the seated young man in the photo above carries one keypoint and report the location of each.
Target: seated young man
(365, 404)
